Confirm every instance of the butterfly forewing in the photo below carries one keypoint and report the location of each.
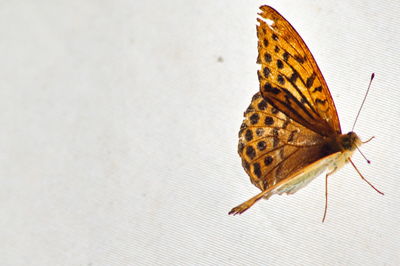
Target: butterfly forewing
(290, 78)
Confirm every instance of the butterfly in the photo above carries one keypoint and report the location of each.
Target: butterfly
(291, 131)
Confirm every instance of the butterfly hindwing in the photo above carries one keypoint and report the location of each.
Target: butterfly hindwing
(273, 146)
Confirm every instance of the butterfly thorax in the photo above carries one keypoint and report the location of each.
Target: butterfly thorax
(341, 143)
(349, 141)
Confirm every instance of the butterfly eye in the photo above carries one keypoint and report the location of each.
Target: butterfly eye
(352, 136)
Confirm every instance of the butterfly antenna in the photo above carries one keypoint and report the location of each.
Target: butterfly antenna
(368, 161)
(365, 97)
(363, 178)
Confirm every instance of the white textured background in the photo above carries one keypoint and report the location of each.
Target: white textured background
(118, 135)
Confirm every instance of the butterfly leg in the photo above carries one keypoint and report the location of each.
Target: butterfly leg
(363, 178)
(326, 192)
(247, 204)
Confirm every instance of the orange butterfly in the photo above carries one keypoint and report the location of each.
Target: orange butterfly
(291, 131)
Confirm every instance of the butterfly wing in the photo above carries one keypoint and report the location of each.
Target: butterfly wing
(273, 146)
(290, 78)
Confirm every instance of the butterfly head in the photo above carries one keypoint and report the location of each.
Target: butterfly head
(350, 141)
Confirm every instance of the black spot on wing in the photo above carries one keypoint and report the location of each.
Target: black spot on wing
(255, 97)
(286, 56)
(240, 147)
(261, 145)
(268, 160)
(268, 58)
(248, 135)
(262, 105)
(310, 80)
(279, 64)
(248, 110)
(254, 119)
(299, 59)
(317, 89)
(269, 88)
(268, 121)
(246, 165)
(257, 170)
(251, 152)
(280, 79)
(266, 72)
(294, 77)
(259, 132)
